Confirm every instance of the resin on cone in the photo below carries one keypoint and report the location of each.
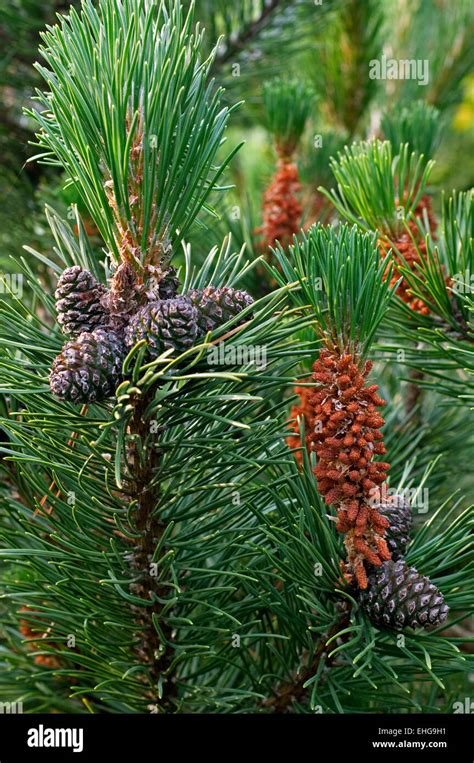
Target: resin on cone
(123, 298)
(161, 284)
(169, 284)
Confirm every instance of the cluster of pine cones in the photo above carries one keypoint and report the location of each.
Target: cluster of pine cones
(397, 595)
(102, 325)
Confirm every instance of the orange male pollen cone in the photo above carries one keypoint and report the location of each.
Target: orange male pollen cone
(343, 429)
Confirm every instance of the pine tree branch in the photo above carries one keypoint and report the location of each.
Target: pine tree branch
(465, 330)
(414, 393)
(248, 33)
(149, 526)
(70, 444)
(143, 172)
(286, 694)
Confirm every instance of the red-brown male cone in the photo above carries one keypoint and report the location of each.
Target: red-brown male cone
(412, 252)
(343, 429)
(281, 208)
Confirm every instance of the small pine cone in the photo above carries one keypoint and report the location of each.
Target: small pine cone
(88, 368)
(397, 596)
(171, 323)
(78, 301)
(398, 512)
(216, 306)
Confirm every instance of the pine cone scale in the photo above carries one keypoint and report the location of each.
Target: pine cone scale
(398, 513)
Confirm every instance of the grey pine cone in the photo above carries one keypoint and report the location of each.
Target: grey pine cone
(165, 324)
(79, 301)
(88, 368)
(398, 596)
(398, 512)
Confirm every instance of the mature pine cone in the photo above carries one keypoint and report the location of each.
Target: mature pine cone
(171, 323)
(397, 597)
(78, 301)
(398, 512)
(88, 368)
(216, 306)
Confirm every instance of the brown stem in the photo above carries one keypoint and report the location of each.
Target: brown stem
(247, 34)
(414, 392)
(150, 650)
(285, 694)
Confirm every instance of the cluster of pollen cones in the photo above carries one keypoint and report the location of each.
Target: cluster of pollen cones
(281, 209)
(342, 426)
(409, 251)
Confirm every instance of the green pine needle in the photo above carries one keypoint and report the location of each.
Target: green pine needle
(287, 106)
(343, 278)
(417, 124)
(376, 189)
(130, 115)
